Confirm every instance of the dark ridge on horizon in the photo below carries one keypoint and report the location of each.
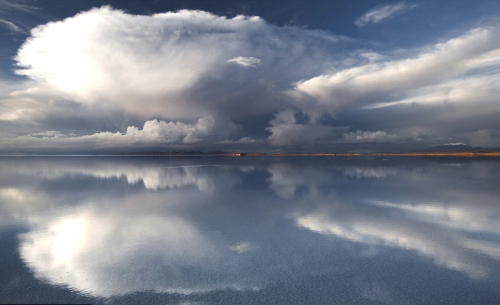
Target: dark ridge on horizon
(160, 152)
(455, 149)
(446, 148)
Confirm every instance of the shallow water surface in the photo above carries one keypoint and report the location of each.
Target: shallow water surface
(249, 230)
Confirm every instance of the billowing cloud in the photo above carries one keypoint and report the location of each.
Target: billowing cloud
(243, 140)
(154, 132)
(369, 137)
(153, 65)
(383, 12)
(285, 130)
(161, 131)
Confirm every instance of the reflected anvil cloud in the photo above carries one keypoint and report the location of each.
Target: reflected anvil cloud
(142, 242)
(107, 254)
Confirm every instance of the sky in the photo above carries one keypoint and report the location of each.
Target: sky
(89, 76)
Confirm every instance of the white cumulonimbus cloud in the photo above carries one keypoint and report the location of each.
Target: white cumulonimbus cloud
(165, 64)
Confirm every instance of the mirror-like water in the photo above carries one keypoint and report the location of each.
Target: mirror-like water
(251, 230)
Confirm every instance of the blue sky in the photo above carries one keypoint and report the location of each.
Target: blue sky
(113, 76)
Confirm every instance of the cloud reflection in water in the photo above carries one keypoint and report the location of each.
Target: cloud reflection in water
(247, 226)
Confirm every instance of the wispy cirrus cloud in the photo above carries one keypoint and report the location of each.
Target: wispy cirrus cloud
(247, 62)
(12, 15)
(19, 6)
(382, 12)
(12, 26)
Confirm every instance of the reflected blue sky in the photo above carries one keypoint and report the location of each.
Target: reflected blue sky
(238, 230)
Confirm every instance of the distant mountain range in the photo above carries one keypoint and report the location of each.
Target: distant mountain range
(459, 147)
(446, 148)
(173, 152)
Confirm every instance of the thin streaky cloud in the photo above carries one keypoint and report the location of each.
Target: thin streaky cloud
(12, 26)
(247, 62)
(380, 13)
(20, 6)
